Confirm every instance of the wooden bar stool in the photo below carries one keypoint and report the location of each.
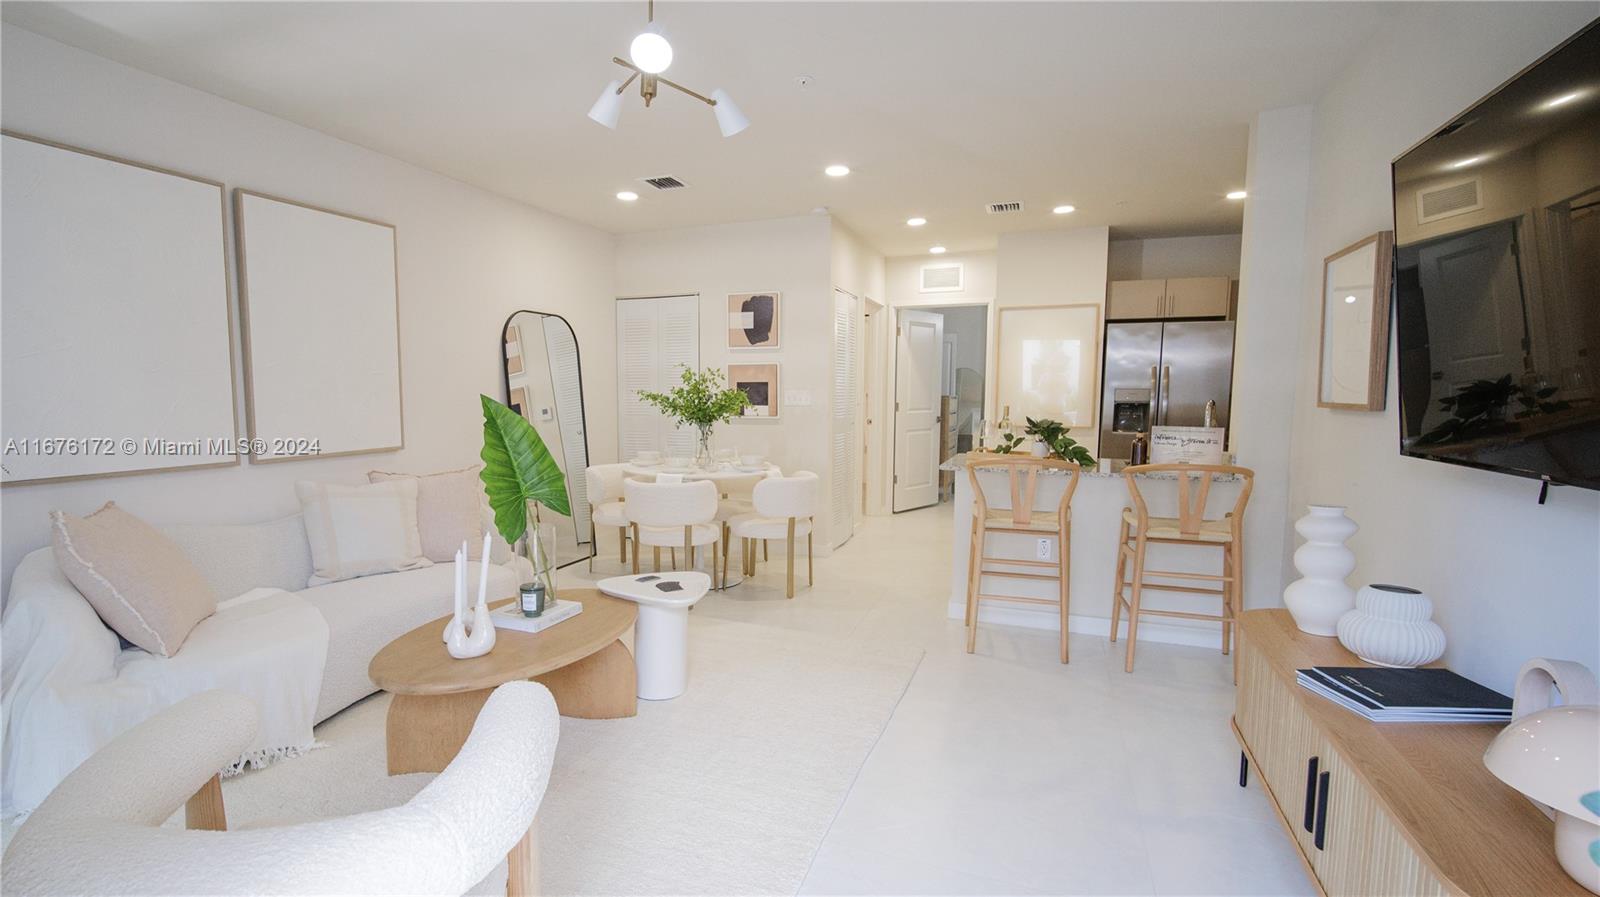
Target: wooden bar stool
(1190, 527)
(1021, 517)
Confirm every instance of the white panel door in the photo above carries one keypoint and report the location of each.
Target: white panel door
(919, 347)
(656, 339)
(845, 478)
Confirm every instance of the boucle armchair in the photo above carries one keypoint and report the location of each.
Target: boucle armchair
(100, 831)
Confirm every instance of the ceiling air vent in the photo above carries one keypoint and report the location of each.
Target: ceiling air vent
(665, 182)
(1445, 200)
(944, 278)
(1002, 208)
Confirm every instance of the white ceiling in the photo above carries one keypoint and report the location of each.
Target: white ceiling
(1137, 113)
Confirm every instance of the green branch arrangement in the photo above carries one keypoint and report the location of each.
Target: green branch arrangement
(1053, 434)
(702, 401)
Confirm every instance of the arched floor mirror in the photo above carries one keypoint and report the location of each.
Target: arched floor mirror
(545, 385)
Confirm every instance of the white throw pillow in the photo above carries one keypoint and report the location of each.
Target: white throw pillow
(361, 530)
(449, 510)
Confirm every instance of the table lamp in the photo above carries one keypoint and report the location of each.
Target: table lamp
(1553, 757)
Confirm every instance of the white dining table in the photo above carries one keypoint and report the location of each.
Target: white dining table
(716, 474)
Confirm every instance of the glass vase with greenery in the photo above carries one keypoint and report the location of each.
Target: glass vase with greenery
(702, 401)
(519, 476)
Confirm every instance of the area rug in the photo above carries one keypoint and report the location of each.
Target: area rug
(728, 789)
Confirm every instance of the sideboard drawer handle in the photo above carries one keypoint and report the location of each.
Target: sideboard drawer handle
(1322, 811)
(1311, 795)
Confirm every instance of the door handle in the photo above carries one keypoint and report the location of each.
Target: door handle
(1311, 796)
(1166, 387)
(1320, 835)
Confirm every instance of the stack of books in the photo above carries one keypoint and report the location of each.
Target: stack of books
(1407, 696)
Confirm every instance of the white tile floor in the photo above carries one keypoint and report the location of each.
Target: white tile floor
(1005, 772)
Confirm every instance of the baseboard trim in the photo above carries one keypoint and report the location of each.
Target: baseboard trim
(1194, 633)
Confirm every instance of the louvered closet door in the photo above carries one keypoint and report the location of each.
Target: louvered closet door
(679, 348)
(656, 339)
(845, 482)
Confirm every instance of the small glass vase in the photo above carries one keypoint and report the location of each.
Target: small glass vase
(538, 545)
(703, 456)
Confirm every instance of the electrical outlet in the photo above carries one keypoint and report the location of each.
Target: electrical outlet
(1043, 551)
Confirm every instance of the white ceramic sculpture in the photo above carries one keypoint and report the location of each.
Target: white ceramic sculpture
(1320, 597)
(1392, 626)
(472, 636)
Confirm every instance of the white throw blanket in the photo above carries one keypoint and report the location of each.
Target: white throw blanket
(69, 691)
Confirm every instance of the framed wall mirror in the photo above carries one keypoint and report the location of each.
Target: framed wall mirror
(544, 384)
(1356, 285)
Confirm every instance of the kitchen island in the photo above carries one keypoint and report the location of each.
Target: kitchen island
(1096, 518)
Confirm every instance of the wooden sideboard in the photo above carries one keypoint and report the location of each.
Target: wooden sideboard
(1382, 808)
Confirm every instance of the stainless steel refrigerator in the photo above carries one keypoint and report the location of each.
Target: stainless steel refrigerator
(1163, 374)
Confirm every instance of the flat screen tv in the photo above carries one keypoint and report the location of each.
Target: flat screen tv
(1497, 277)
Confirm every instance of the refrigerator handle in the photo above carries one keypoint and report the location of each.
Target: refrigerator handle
(1166, 387)
(1155, 397)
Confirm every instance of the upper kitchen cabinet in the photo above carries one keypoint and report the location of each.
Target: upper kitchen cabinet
(1177, 297)
(1197, 297)
(1133, 299)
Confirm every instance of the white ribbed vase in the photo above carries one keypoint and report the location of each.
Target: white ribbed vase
(1392, 626)
(1320, 597)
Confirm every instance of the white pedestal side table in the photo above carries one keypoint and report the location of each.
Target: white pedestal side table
(661, 636)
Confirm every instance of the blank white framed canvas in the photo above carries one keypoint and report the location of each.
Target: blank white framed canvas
(1049, 362)
(320, 309)
(116, 335)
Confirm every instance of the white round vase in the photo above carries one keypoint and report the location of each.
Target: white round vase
(1320, 597)
(1392, 626)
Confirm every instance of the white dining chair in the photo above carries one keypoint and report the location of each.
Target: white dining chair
(785, 508)
(736, 501)
(604, 483)
(668, 515)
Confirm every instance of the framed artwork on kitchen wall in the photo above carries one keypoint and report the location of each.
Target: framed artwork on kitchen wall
(759, 383)
(753, 320)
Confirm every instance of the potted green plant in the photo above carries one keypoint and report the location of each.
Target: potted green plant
(1052, 437)
(702, 401)
(519, 476)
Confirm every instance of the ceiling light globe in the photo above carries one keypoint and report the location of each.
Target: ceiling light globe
(836, 171)
(650, 52)
(1064, 210)
(916, 222)
(936, 250)
(1237, 194)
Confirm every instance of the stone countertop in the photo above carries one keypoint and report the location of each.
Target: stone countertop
(958, 462)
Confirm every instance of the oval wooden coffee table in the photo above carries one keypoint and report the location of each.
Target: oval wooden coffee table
(437, 698)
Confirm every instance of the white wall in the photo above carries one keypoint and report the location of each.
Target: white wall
(1509, 579)
(1206, 256)
(1054, 267)
(790, 255)
(904, 278)
(467, 259)
(1270, 308)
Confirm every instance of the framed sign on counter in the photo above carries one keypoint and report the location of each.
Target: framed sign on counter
(1186, 445)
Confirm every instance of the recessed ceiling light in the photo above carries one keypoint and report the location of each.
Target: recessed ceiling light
(1465, 162)
(936, 250)
(1349, 300)
(1237, 194)
(916, 222)
(1064, 210)
(836, 171)
(1562, 100)
(627, 196)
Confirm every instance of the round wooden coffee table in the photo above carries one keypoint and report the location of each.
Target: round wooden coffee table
(437, 698)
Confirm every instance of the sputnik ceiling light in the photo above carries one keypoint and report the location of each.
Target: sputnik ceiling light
(649, 56)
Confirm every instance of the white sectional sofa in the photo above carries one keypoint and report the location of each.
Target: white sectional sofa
(52, 635)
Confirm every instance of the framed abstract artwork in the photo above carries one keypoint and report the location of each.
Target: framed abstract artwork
(759, 383)
(753, 320)
(319, 293)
